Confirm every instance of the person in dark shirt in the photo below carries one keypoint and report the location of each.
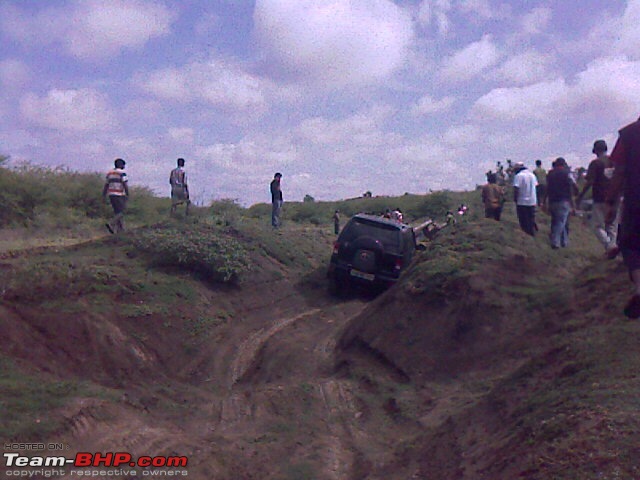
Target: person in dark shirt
(276, 200)
(599, 173)
(626, 182)
(559, 201)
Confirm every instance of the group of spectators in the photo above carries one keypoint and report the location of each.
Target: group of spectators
(116, 190)
(615, 207)
(614, 181)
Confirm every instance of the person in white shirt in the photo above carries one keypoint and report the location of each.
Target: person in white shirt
(524, 194)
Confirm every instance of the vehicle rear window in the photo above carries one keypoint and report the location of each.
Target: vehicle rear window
(388, 235)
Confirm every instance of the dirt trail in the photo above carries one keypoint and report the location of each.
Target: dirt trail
(263, 403)
(249, 349)
(264, 394)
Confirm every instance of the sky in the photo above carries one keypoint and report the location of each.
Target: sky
(341, 96)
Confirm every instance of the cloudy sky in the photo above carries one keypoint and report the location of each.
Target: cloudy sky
(341, 96)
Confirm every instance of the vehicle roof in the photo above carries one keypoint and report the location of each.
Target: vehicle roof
(382, 220)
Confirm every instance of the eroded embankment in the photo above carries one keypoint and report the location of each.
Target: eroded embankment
(480, 363)
(519, 367)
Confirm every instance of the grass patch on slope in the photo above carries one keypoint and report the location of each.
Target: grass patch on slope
(197, 247)
(27, 401)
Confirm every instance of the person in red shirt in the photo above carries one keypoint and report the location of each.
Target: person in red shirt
(626, 183)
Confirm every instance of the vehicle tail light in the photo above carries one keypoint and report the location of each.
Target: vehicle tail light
(336, 248)
(398, 264)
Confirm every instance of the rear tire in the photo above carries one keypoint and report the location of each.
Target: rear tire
(337, 287)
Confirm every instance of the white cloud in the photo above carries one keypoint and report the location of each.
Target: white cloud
(538, 101)
(458, 136)
(103, 27)
(428, 105)
(608, 87)
(536, 21)
(425, 163)
(483, 9)
(435, 13)
(470, 60)
(13, 74)
(89, 29)
(629, 30)
(143, 111)
(336, 42)
(524, 68)
(181, 135)
(253, 154)
(217, 82)
(363, 129)
(81, 110)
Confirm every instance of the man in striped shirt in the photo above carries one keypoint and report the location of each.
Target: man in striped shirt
(116, 188)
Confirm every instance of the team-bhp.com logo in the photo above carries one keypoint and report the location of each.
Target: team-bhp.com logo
(86, 459)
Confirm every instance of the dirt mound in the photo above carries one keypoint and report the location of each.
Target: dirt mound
(492, 358)
(512, 356)
(442, 320)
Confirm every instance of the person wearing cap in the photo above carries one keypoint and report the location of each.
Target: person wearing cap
(558, 200)
(626, 183)
(117, 190)
(179, 187)
(276, 200)
(524, 195)
(598, 178)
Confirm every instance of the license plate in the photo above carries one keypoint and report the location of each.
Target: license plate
(365, 276)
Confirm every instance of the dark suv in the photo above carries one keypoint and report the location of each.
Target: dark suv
(372, 251)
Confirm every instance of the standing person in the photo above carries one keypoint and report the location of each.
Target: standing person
(179, 187)
(336, 222)
(492, 198)
(541, 176)
(559, 200)
(276, 200)
(598, 178)
(626, 182)
(118, 191)
(524, 194)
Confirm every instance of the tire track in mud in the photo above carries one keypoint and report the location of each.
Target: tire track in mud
(248, 350)
(340, 456)
(335, 399)
(127, 427)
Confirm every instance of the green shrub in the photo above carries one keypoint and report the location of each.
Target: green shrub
(197, 248)
(435, 205)
(28, 191)
(226, 211)
(311, 212)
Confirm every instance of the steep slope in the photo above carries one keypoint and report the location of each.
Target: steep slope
(520, 356)
(494, 357)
